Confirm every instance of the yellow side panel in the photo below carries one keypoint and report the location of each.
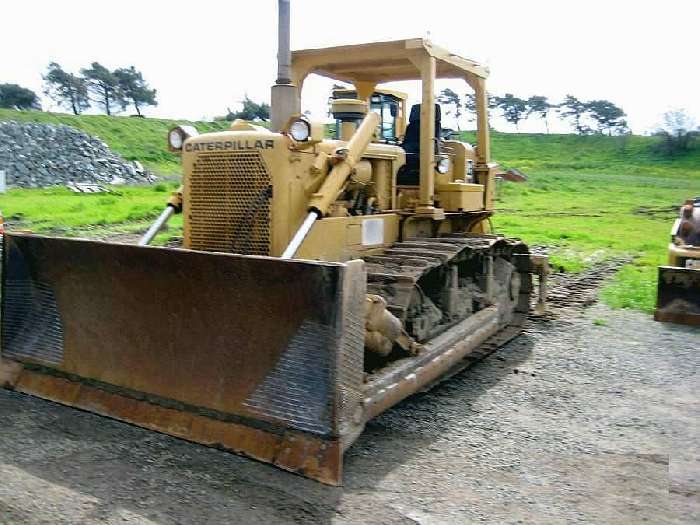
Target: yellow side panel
(344, 238)
(461, 197)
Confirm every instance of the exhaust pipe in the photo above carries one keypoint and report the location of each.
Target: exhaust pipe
(285, 100)
(284, 53)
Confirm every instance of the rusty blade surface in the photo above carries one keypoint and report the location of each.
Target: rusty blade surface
(299, 452)
(678, 299)
(255, 340)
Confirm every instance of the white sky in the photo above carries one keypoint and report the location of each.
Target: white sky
(204, 56)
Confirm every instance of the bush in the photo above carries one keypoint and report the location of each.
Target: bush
(677, 134)
(13, 96)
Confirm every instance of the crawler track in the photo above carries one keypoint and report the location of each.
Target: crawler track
(416, 267)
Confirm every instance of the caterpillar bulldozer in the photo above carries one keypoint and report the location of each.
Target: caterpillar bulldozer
(321, 281)
(678, 296)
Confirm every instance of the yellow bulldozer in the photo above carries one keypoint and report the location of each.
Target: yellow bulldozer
(321, 281)
(678, 296)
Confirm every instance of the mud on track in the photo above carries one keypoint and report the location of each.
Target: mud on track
(571, 422)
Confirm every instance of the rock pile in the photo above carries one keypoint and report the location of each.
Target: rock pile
(40, 155)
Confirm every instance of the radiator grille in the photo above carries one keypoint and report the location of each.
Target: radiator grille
(229, 203)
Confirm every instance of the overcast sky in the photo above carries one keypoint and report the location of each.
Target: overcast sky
(204, 56)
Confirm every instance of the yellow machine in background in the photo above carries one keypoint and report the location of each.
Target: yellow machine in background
(678, 299)
(321, 281)
(389, 104)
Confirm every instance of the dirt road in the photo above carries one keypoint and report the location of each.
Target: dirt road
(589, 419)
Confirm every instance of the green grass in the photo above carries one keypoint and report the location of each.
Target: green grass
(588, 198)
(595, 198)
(59, 209)
(142, 139)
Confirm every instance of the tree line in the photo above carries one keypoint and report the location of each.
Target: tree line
(250, 110)
(14, 96)
(111, 91)
(581, 115)
(678, 133)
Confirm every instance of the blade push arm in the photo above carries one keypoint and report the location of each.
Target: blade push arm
(174, 206)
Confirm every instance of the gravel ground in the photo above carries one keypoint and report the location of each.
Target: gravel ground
(591, 416)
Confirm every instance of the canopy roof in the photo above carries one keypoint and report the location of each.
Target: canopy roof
(382, 62)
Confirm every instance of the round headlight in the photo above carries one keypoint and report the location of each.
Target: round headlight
(175, 139)
(443, 165)
(300, 130)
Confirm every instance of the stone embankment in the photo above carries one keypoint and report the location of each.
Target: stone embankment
(41, 155)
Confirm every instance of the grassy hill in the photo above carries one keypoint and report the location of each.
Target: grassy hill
(592, 198)
(632, 154)
(588, 198)
(144, 140)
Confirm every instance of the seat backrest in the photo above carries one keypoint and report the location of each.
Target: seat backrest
(411, 140)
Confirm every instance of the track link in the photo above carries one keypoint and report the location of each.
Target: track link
(399, 272)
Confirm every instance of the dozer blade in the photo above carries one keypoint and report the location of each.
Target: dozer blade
(678, 299)
(256, 355)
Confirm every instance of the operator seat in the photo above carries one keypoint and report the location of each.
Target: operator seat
(408, 174)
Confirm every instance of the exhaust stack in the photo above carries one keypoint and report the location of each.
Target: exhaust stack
(284, 53)
(285, 95)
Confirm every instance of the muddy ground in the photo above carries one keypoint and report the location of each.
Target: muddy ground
(590, 416)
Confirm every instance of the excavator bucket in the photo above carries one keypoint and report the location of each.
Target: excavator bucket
(678, 299)
(256, 355)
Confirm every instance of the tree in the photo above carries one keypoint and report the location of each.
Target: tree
(470, 106)
(540, 106)
(135, 89)
(450, 98)
(250, 111)
(66, 89)
(512, 108)
(622, 128)
(104, 87)
(608, 116)
(13, 96)
(678, 132)
(574, 109)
